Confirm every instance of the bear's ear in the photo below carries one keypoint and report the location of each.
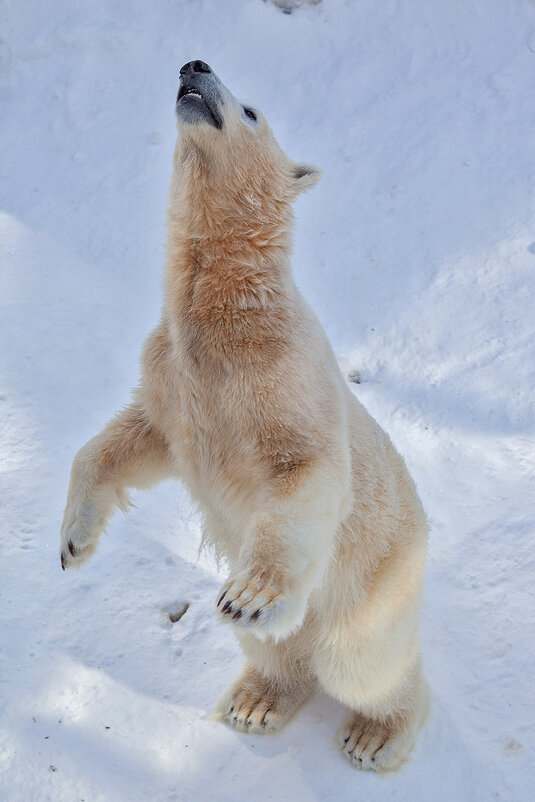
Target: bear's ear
(305, 176)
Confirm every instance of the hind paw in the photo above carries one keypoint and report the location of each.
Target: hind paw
(375, 745)
(255, 704)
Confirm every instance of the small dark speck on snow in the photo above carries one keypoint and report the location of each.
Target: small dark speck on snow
(177, 611)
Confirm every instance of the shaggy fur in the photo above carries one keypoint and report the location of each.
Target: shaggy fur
(301, 492)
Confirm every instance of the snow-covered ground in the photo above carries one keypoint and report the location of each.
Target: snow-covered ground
(418, 252)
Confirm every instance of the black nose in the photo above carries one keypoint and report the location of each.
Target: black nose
(195, 66)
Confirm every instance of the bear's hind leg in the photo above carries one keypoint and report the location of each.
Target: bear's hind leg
(275, 681)
(383, 742)
(255, 703)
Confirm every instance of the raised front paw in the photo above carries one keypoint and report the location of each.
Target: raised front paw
(263, 602)
(80, 531)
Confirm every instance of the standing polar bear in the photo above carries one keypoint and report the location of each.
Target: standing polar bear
(301, 491)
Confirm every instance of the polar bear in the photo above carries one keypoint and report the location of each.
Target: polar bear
(300, 490)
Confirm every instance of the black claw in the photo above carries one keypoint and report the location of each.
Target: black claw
(71, 548)
(222, 597)
(347, 739)
(236, 615)
(226, 608)
(63, 560)
(255, 615)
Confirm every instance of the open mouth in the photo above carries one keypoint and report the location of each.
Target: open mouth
(189, 90)
(192, 95)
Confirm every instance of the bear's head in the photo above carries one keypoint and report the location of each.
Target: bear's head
(227, 151)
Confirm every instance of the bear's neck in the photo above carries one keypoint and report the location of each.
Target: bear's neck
(226, 271)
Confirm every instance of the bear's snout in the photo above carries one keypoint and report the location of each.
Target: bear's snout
(199, 97)
(194, 66)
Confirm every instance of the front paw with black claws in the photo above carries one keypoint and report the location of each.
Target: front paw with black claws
(264, 603)
(72, 552)
(82, 526)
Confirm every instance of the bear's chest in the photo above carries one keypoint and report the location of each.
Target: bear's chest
(216, 443)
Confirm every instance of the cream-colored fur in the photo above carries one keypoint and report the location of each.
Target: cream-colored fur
(300, 490)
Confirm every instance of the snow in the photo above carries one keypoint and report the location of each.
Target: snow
(417, 250)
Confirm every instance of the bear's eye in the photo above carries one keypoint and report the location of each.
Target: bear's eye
(250, 113)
